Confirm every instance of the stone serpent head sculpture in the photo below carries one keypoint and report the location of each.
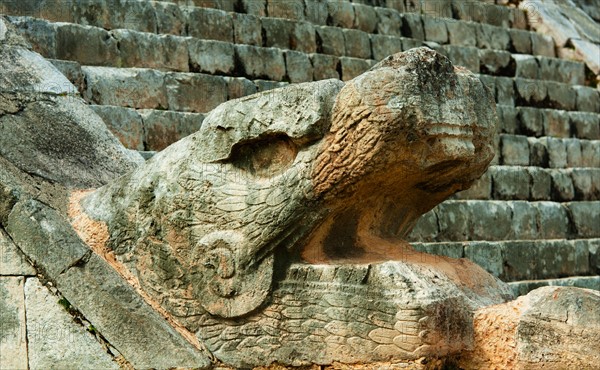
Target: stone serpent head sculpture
(282, 220)
(318, 170)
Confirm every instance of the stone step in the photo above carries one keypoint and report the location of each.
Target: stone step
(460, 220)
(132, 48)
(538, 122)
(148, 129)
(547, 152)
(525, 286)
(535, 184)
(515, 260)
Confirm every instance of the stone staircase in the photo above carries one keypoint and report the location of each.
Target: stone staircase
(153, 69)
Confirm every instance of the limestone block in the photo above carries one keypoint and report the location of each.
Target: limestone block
(412, 26)
(276, 32)
(257, 62)
(114, 14)
(383, 46)
(487, 255)
(357, 44)
(588, 99)
(42, 35)
(440, 9)
(298, 67)
(352, 67)
(538, 152)
(148, 50)
(585, 218)
(316, 12)
(163, 128)
(330, 40)
(365, 18)
(482, 214)
(573, 148)
(507, 117)
(238, 87)
(553, 220)
(590, 153)
(491, 37)
(435, 29)
(247, 29)
(557, 153)
(210, 24)
(462, 33)
(265, 85)
(325, 66)
(494, 62)
(481, 188)
(527, 66)
(594, 248)
(531, 121)
(389, 22)
(341, 14)
(452, 250)
(208, 56)
(542, 45)
(526, 286)
(12, 260)
(170, 19)
(13, 341)
(304, 37)
(256, 7)
(531, 92)
(100, 48)
(567, 317)
(520, 41)
(586, 183)
(510, 182)
(125, 87)
(194, 92)
(490, 83)
(524, 220)
(556, 123)
(54, 339)
(72, 71)
(565, 71)
(467, 57)
(453, 221)
(408, 43)
(587, 51)
(289, 9)
(124, 123)
(505, 91)
(514, 150)
(541, 183)
(562, 185)
(561, 96)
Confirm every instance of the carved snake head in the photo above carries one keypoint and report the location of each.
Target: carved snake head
(313, 164)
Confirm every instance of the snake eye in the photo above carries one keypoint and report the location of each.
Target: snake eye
(265, 156)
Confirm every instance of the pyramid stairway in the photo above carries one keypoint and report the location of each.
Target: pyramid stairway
(153, 69)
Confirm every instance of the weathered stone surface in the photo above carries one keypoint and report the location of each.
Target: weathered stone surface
(325, 66)
(553, 220)
(435, 29)
(304, 37)
(298, 67)
(510, 182)
(389, 22)
(164, 52)
(561, 96)
(365, 18)
(495, 62)
(330, 40)
(562, 186)
(531, 121)
(13, 333)
(54, 340)
(125, 87)
(525, 286)
(357, 44)
(210, 24)
(542, 45)
(223, 172)
(541, 183)
(124, 123)
(247, 29)
(12, 261)
(585, 125)
(412, 26)
(277, 32)
(556, 123)
(514, 150)
(211, 56)
(257, 62)
(520, 41)
(486, 255)
(383, 45)
(238, 87)
(170, 18)
(352, 67)
(467, 57)
(588, 99)
(491, 37)
(163, 128)
(462, 34)
(100, 48)
(80, 152)
(517, 334)
(505, 91)
(586, 218)
(292, 9)
(193, 92)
